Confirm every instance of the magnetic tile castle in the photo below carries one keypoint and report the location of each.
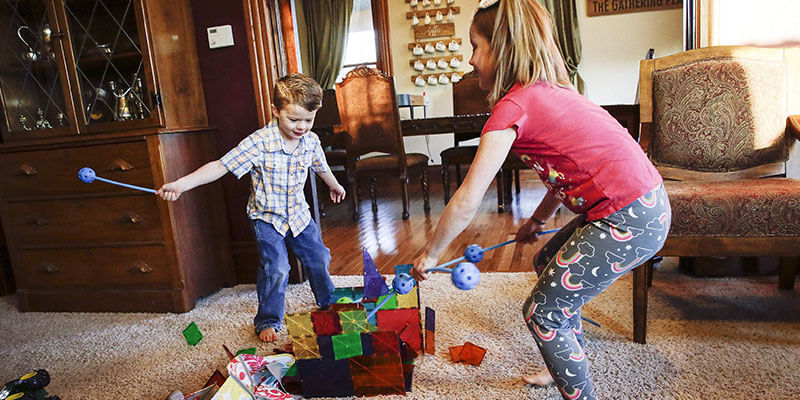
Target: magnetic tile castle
(339, 352)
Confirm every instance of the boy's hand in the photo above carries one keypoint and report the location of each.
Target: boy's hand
(170, 191)
(337, 193)
(528, 232)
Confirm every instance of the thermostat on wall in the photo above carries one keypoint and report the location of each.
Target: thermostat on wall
(220, 36)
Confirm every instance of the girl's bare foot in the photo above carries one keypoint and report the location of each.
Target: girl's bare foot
(268, 335)
(541, 378)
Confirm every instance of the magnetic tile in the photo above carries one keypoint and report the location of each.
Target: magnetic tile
(430, 319)
(366, 344)
(305, 347)
(455, 353)
(472, 354)
(346, 345)
(326, 322)
(325, 377)
(377, 374)
(407, 354)
(408, 375)
(430, 342)
(192, 334)
(405, 322)
(343, 295)
(325, 344)
(299, 324)
(339, 307)
(408, 300)
(403, 269)
(353, 321)
(385, 343)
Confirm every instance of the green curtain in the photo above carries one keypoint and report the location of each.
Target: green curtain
(568, 36)
(327, 22)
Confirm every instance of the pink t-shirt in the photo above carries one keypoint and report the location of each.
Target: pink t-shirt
(582, 154)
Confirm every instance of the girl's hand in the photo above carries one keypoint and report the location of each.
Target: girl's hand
(170, 191)
(528, 232)
(337, 193)
(421, 266)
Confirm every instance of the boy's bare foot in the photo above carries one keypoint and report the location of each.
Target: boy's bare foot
(268, 335)
(541, 378)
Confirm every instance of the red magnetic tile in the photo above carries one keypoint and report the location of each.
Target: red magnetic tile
(405, 320)
(455, 353)
(385, 343)
(472, 354)
(326, 322)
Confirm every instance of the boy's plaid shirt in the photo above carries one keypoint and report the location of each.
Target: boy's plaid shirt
(277, 177)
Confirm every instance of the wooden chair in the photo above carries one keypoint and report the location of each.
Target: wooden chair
(714, 122)
(371, 119)
(327, 127)
(469, 99)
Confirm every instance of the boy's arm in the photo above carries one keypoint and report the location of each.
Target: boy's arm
(207, 173)
(337, 190)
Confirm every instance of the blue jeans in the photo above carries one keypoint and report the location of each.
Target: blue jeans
(273, 276)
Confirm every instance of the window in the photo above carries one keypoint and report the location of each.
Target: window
(360, 48)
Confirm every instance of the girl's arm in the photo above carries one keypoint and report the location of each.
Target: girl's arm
(492, 151)
(547, 207)
(205, 174)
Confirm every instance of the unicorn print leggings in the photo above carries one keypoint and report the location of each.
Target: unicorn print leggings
(578, 263)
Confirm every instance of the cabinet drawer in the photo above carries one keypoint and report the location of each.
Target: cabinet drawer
(87, 220)
(55, 172)
(95, 268)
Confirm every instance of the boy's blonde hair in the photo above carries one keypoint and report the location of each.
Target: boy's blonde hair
(522, 42)
(297, 89)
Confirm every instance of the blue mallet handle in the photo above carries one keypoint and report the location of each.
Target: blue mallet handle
(125, 185)
(459, 259)
(378, 307)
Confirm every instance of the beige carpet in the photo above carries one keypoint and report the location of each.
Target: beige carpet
(708, 338)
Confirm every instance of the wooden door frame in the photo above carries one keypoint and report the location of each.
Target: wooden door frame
(264, 53)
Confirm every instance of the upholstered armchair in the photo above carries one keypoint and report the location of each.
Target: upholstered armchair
(717, 124)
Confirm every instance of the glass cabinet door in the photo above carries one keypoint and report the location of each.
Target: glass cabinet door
(31, 72)
(109, 60)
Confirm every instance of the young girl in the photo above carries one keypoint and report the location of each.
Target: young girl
(588, 162)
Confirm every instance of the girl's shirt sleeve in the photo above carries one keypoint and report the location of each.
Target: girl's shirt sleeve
(506, 114)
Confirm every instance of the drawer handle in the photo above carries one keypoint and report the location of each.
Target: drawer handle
(48, 268)
(119, 165)
(27, 170)
(132, 217)
(40, 221)
(140, 267)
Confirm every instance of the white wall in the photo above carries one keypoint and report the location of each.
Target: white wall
(612, 48)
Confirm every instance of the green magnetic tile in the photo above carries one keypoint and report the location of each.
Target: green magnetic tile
(353, 321)
(346, 345)
(390, 305)
(292, 371)
(305, 347)
(192, 334)
(251, 350)
(299, 324)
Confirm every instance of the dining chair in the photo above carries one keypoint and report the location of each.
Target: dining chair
(327, 127)
(718, 124)
(470, 99)
(370, 117)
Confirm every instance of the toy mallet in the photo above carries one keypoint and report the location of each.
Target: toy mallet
(87, 175)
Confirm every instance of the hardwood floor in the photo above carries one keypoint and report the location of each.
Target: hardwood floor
(391, 241)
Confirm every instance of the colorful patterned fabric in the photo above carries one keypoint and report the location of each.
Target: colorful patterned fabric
(277, 177)
(720, 115)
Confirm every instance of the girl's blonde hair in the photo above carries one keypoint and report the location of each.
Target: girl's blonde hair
(522, 42)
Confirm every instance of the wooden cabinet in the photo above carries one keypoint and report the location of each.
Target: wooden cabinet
(115, 86)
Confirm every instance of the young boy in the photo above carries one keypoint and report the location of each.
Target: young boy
(278, 157)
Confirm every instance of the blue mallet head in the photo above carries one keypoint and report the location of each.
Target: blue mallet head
(466, 276)
(86, 175)
(403, 283)
(473, 253)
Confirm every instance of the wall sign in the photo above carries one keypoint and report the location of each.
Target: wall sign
(610, 7)
(434, 30)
